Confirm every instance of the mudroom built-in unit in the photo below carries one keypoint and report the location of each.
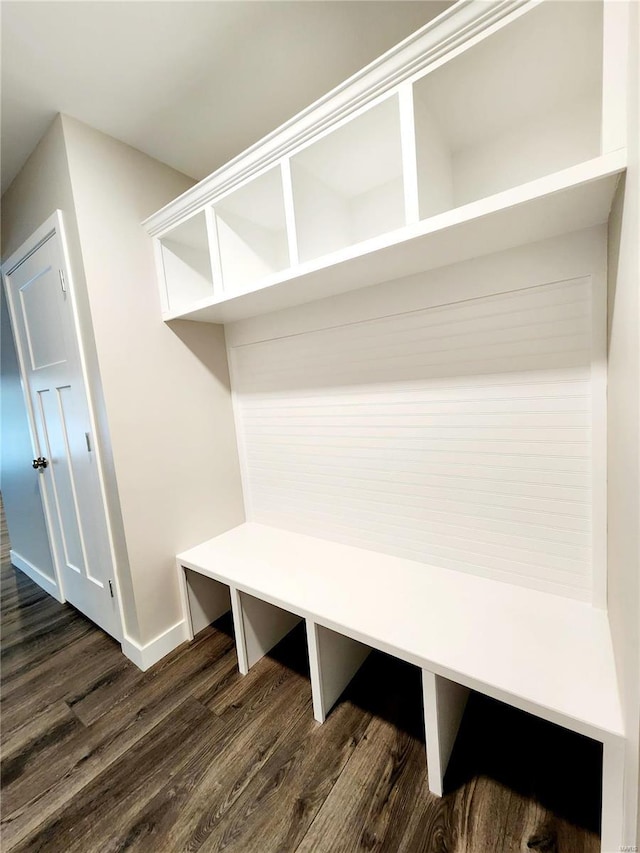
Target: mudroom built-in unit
(417, 284)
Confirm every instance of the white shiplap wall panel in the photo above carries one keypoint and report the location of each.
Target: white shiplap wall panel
(458, 435)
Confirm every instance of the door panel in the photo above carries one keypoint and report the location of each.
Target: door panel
(46, 337)
(40, 309)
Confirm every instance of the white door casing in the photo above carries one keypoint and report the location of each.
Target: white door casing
(44, 318)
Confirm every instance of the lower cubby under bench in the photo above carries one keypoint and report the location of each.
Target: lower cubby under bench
(539, 652)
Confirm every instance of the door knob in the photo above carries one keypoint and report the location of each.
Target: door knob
(40, 462)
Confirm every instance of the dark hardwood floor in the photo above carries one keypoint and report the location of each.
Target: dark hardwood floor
(189, 756)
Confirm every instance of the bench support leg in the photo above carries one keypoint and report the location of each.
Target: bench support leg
(444, 704)
(258, 626)
(334, 659)
(203, 600)
(612, 794)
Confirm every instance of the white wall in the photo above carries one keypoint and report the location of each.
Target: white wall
(166, 388)
(624, 441)
(452, 417)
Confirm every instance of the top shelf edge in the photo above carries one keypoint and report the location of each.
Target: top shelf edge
(579, 183)
(463, 21)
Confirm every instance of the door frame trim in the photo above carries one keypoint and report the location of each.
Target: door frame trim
(53, 225)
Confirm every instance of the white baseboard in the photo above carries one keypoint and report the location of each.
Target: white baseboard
(146, 655)
(33, 572)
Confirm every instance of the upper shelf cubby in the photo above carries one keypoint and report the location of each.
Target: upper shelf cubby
(348, 186)
(523, 103)
(496, 124)
(186, 263)
(252, 232)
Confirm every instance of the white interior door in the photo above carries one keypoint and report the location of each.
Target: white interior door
(46, 334)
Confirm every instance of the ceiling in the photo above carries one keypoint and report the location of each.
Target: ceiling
(189, 83)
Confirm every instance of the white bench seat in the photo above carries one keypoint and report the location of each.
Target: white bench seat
(540, 652)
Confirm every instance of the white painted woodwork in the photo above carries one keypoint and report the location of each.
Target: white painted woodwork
(263, 625)
(568, 201)
(409, 156)
(514, 101)
(454, 31)
(613, 795)
(348, 186)
(44, 580)
(399, 466)
(252, 232)
(334, 659)
(289, 213)
(206, 600)
(40, 295)
(444, 704)
(507, 641)
(238, 625)
(497, 116)
(187, 263)
(458, 435)
(619, 74)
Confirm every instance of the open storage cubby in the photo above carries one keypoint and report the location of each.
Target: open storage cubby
(252, 232)
(348, 186)
(187, 263)
(523, 103)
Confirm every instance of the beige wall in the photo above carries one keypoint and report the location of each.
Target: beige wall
(160, 393)
(624, 443)
(43, 186)
(166, 389)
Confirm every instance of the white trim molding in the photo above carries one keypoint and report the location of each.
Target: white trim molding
(38, 577)
(144, 656)
(456, 28)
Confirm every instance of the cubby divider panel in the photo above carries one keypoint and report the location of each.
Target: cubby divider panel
(348, 186)
(187, 263)
(252, 232)
(259, 625)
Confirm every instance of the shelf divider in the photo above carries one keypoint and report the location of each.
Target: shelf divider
(289, 213)
(409, 155)
(214, 252)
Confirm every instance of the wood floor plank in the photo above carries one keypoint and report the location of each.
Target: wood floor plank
(121, 791)
(120, 691)
(52, 784)
(282, 801)
(386, 771)
(21, 654)
(289, 656)
(186, 814)
(80, 668)
(50, 726)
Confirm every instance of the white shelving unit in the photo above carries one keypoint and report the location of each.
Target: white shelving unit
(185, 264)
(252, 232)
(492, 121)
(495, 127)
(523, 103)
(348, 186)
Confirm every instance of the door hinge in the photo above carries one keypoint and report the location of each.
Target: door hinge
(63, 283)
(88, 440)
(111, 588)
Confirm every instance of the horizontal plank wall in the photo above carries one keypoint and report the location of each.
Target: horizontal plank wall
(459, 433)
